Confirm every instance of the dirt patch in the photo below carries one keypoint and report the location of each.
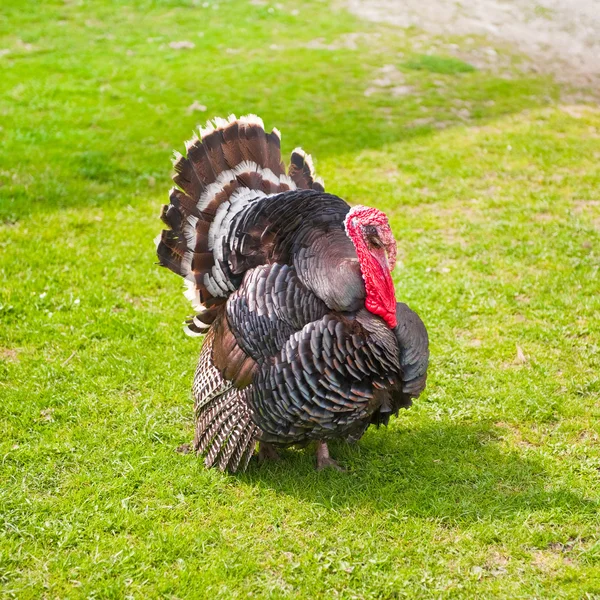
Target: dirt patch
(561, 37)
(548, 561)
(348, 41)
(391, 80)
(9, 354)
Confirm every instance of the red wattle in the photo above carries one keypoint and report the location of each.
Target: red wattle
(379, 287)
(381, 296)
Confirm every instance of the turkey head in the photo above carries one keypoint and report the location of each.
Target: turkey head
(370, 232)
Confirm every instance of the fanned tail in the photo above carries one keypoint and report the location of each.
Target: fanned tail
(228, 164)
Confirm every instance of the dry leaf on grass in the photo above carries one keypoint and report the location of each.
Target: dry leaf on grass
(521, 358)
(183, 45)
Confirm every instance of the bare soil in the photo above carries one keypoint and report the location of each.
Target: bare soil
(561, 37)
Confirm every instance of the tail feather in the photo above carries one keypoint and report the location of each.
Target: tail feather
(213, 141)
(302, 171)
(171, 216)
(171, 249)
(185, 177)
(253, 140)
(183, 203)
(202, 261)
(199, 324)
(274, 161)
(197, 156)
(231, 146)
(231, 160)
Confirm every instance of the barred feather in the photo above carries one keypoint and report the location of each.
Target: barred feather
(226, 424)
(235, 434)
(248, 451)
(211, 420)
(224, 429)
(245, 445)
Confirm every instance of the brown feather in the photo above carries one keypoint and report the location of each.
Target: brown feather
(274, 161)
(174, 242)
(224, 429)
(198, 156)
(232, 362)
(213, 418)
(270, 187)
(227, 450)
(214, 142)
(231, 147)
(185, 177)
(202, 261)
(201, 243)
(183, 203)
(300, 171)
(168, 258)
(253, 143)
(250, 179)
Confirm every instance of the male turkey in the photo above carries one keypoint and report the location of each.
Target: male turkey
(292, 287)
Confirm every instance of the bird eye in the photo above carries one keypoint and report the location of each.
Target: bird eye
(375, 241)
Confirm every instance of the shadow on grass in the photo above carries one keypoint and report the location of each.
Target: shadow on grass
(103, 126)
(116, 172)
(453, 472)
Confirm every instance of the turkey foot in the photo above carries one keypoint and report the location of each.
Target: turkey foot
(267, 451)
(323, 458)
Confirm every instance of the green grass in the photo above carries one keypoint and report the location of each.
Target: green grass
(488, 487)
(438, 64)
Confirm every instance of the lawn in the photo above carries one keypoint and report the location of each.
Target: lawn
(487, 488)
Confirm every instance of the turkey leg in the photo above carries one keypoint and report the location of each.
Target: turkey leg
(267, 451)
(323, 458)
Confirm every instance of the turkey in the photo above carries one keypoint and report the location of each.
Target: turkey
(304, 339)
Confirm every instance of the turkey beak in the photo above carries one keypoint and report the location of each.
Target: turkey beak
(383, 260)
